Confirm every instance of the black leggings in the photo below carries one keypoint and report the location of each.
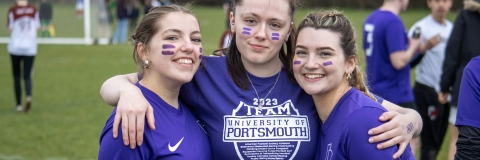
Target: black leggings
(27, 75)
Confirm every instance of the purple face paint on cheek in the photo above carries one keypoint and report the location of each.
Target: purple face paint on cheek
(246, 31)
(167, 52)
(201, 50)
(296, 62)
(200, 57)
(327, 63)
(168, 46)
(275, 36)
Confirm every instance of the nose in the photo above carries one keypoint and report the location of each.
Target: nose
(187, 46)
(311, 64)
(261, 33)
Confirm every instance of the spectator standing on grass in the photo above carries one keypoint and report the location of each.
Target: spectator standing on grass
(121, 31)
(23, 23)
(461, 48)
(388, 51)
(133, 11)
(46, 13)
(167, 51)
(435, 31)
(468, 123)
(79, 9)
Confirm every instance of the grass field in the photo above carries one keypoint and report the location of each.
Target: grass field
(68, 113)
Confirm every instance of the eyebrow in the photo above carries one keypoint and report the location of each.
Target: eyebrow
(179, 32)
(318, 48)
(257, 16)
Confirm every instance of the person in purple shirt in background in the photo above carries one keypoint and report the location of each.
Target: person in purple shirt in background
(468, 123)
(324, 65)
(167, 51)
(388, 52)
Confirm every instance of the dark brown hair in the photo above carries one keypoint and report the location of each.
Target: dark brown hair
(337, 22)
(235, 67)
(148, 27)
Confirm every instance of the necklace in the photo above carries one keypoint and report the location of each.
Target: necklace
(260, 101)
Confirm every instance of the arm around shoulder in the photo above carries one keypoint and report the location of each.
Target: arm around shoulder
(112, 88)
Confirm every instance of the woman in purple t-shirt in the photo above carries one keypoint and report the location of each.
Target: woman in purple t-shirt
(324, 65)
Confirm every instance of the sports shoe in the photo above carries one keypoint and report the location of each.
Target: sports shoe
(28, 104)
(18, 108)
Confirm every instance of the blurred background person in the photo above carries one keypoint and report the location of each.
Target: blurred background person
(23, 24)
(435, 30)
(468, 123)
(79, 9)
(387, 55)
(461, 48)
(121, 31)
(46, 13)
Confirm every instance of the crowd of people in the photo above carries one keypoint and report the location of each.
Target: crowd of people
(333, 110)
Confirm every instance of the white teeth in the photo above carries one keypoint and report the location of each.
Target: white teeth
(313, 76)
(184, 61)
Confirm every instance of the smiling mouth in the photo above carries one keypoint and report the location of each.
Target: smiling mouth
(184, 61)
(314, 76)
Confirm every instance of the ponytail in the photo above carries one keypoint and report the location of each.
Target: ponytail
(357, 81)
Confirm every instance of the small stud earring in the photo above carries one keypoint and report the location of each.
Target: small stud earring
(145, 64)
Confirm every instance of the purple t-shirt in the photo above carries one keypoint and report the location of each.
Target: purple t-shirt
(384, 34)
(286, 127)
(178, 135)
(469, 97)
(345, 132)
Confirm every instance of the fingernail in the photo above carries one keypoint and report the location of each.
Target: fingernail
(132, 146)
(370, 140)
(139, 143)
(125, 143)
(382, 117)
(379, 146)
(370, 132)
(114, 135)
(394, 157)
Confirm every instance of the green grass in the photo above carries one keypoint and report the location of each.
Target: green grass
(68, 113)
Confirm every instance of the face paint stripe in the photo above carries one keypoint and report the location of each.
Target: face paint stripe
(245, 32)
(201, 50)
(297, 62)
(275, 34)
(327, 63)
(167, 52)
(200, 57)
(168, 46)
(275, 38)
(246, 29)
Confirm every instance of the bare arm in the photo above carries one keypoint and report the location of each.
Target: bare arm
(132, 108)
(400, 59)
(111, 88)
(403, 124)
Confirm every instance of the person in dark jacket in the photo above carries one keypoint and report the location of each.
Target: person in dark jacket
(461, 48)
(121, 31)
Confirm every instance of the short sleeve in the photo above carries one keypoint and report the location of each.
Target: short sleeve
(356, 136)
(395, 37)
